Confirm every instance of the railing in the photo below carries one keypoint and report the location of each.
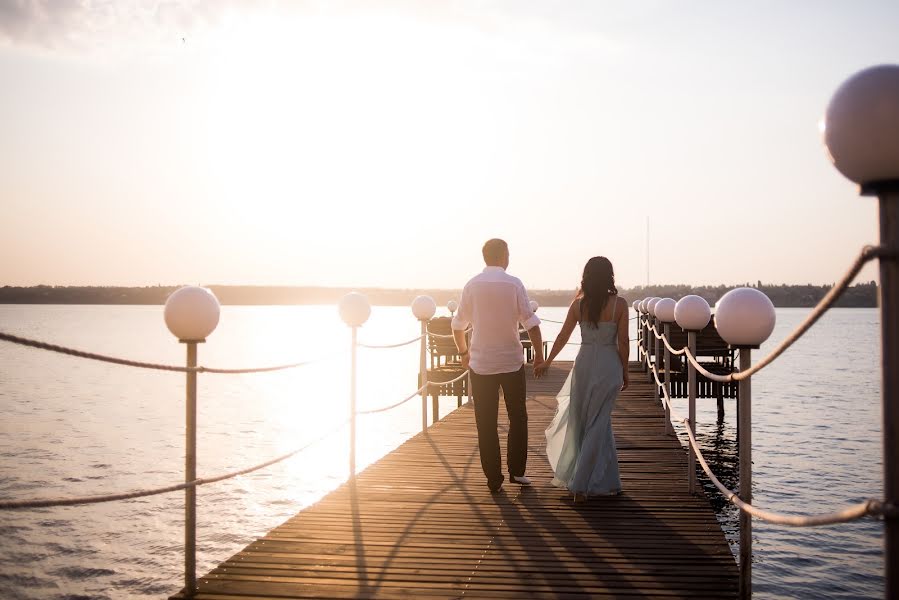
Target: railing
(191, 314)
(744, 317)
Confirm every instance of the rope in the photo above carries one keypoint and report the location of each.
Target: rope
(42, 503)
(403, 401)
(441, 335)
(379, 346)
(440, 383)
(670, 349)
(857, 511)
(143, 365)
(867, 254)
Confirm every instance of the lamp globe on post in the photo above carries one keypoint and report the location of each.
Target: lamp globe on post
(861, 133)
(534, 305)
(651, 305)
(452, 306)
(693, 314)
(745, 318)
(424, 307)
(354, 310)
(665, 310)
(191, 314)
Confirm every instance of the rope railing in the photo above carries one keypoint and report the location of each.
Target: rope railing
(400, 403)
(869, 507)
(866, 254)
(76, 501)
(14, 339)
(382, 346)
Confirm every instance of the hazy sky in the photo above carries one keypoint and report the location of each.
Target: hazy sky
(380, 143)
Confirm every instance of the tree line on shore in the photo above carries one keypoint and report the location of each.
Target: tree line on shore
(860, 295)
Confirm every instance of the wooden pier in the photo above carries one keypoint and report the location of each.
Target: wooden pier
(421, 523)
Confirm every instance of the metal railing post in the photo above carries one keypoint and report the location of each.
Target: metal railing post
(423, 378)
(353, 405)
(744, 418)
(888, 196)
(669, 428)
(190, 474)
(691, 394)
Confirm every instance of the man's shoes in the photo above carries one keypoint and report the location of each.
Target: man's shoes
(495, 489)
(520, 479)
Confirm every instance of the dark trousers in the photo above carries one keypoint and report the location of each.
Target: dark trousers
(485, 391)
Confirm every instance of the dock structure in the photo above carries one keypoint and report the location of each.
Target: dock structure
(421, 523)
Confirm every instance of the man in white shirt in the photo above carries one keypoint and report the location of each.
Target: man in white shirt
(494, 303)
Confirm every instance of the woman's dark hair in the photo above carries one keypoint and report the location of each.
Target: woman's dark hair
(597, 284)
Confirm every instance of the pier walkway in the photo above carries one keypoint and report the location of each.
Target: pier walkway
(421, 522)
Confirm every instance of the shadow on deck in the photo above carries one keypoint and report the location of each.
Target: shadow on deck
(421, 523)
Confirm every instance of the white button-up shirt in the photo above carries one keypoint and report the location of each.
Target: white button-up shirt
(494, 303)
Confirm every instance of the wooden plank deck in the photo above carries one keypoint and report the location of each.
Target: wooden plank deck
(421, 523)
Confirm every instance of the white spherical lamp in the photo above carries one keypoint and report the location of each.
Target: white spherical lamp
(423, 307)
(452, 306)
(354, 309)
(861, 126)
(744, 317)
(651, 305)
(643, 303)
(692, 313)
(636, 305)
(192, 313)
(665, 310)
(534, 305)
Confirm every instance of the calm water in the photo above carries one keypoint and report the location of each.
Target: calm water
(76, 427)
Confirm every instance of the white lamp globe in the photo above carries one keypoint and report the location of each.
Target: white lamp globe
(643, 304)
(354, 309)
(861, 125)
(651, 305)
(692, 313)
(636, 305)
(192, 313)
(665, 310)
(423, 307)
(452, 306)
(534, 305)
(744, 317)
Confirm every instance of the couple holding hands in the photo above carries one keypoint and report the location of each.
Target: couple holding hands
(580, 445)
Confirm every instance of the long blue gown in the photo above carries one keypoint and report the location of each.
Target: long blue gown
(579, 441)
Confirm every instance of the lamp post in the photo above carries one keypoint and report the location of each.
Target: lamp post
(423, 308)
(452, 306)
(354, 310)
(861, 134)
(692, 314)
(745, 317)
(191, 314)
(665, 314)
(653, 340)
(644, 328)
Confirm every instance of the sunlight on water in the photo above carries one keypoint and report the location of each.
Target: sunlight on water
(73, 427)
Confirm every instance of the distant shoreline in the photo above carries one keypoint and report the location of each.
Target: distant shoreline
(862, 295)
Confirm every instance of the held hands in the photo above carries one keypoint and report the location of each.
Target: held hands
(540, 367)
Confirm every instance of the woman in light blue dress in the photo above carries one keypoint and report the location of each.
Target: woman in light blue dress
(579, 442)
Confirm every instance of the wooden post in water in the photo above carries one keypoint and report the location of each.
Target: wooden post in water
(353, 406)
(691, 394)
(744, 419)
(190, 474)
